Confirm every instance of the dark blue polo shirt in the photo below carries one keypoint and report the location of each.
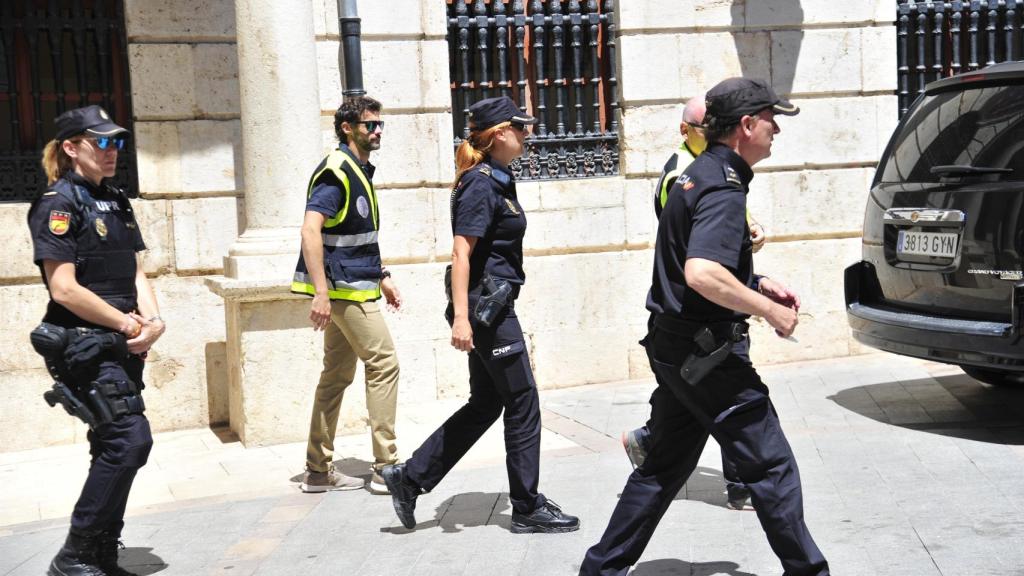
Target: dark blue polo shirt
(485, 207)
(705, 217)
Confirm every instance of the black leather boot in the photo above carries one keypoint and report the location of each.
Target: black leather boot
(107, 547)
(77, 557)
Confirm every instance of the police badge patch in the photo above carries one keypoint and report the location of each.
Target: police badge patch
(511, 206)
(101, 227)
(59, 222)
(363, 206)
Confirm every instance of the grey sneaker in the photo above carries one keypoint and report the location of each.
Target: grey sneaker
(377, 484)
(737, 496)
(330, 480)
(635, 449)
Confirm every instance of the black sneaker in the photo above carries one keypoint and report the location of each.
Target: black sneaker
(548, 517)
(403, 494)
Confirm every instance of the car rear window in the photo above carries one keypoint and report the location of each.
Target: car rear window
(980, 127)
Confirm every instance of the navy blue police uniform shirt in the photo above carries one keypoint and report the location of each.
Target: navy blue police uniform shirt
(328, 195)
(486, 207)
(705, 217)
(55, 225)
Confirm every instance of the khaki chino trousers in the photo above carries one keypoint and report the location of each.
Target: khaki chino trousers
(356, 331)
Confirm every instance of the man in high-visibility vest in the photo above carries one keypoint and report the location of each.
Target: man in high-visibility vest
(340, 267)
(692, 129)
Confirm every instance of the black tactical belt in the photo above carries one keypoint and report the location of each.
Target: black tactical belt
(733, 331)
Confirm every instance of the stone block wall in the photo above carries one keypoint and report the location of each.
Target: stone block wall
(588, 243)
(837, 62)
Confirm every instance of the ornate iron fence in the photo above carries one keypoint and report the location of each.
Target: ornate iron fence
(56, 55)
(556, 60)
(939, 39)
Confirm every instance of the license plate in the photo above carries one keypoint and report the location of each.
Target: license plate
(937, 244)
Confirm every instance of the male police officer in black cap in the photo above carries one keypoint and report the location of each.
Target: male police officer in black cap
(703, 291)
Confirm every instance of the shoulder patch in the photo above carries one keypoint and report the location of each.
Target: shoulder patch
(59, 222)
(732, 176)
(497, 175)
(686, 182)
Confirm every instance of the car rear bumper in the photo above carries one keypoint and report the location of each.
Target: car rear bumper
(992, 345)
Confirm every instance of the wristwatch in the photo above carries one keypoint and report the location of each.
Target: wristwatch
(384, 273)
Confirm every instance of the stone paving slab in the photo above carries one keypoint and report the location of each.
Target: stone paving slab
(908, 468)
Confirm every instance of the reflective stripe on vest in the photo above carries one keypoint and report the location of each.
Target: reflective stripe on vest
(359, 291)
(349, 239)
(684, 159)
(349, 249)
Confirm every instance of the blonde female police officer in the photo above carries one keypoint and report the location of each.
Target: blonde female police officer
(486, 275)
(86, 244)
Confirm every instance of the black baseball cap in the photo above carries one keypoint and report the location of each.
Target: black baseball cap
(733, 98)
(91, 120)
(493, 111)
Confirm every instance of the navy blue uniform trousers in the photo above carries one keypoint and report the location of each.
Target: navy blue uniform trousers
(732, 404)
(118, 450)
(500, 379)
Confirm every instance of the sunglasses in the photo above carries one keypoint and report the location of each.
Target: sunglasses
(372, 125)
(695, 125)
(106, 142)
(518, 126)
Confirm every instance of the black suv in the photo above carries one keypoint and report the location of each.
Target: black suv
(941, 275)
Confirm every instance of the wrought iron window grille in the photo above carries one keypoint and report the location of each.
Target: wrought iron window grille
(556, 60)
(940, 39)
(57, 55)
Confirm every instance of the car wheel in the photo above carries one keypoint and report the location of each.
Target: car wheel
(995, 377)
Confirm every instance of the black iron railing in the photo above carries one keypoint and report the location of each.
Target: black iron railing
(556, 59)
(56, 55)
(939, 39)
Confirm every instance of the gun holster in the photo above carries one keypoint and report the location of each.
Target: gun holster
(494, 298)
(63, 395)
(103, 402)
(707, 353)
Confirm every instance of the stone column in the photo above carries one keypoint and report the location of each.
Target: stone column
(273, 356)
(277, 76)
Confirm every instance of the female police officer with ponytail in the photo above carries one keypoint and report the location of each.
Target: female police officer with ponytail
(101, 320)
(486, 274)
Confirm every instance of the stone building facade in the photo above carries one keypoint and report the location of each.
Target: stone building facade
(233, 105)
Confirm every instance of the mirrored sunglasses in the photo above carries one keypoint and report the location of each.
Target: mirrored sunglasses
(106, 142)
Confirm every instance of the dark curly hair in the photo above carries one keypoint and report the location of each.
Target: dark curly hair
(351, 110)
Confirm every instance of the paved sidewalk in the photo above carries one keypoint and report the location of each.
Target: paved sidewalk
(908, 468)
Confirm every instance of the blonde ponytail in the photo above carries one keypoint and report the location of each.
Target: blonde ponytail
(473, 150)
(55, 161)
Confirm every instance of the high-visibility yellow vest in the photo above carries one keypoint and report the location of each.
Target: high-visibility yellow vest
(675, 166)
(351, 254)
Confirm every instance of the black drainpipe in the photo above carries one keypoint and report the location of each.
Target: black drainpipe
(351, 56)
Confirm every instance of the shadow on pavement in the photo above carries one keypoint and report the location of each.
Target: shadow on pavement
(467, 510)
(956, 405)
(141, 561)
(705, 485)
(347, 466)
(673, 567)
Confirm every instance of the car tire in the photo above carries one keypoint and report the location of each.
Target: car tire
(995, 377)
